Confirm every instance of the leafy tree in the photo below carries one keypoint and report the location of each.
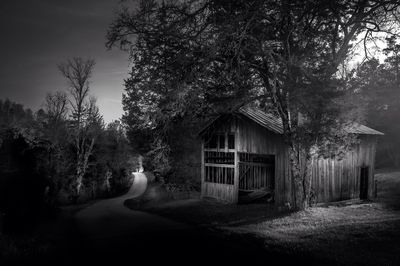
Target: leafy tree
(392, 51)
(54, 129)
(156, 100)
(114, 159)
(22, 180)
(22, 184)
(14, 114)
(286, 51)
(378, 86)
(38, 155)
(56, 107)
(86, 120)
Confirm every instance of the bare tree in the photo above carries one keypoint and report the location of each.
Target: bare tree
(85, 114)
(56, 106)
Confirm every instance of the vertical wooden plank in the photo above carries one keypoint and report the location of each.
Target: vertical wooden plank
(372, 162)
(225, 175)
(236, 174)
(327, 181)
(266, 180)
(252, 177)
(334, 183)
(339, 178)
(287, 177)
(256, 177)
(277, 187)
(202, 173)
(226, 139)
(354, 170)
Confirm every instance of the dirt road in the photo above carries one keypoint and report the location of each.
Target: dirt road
(111, 234)
(110, 218)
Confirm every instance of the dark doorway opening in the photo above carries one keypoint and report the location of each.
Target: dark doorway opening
(364, 173)
(256, 177)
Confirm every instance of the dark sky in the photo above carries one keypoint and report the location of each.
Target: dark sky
(36, 35)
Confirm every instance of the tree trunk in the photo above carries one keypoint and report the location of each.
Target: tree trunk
(79, 177)
(107, 181)
(307, 180)
(82, 164)
(298, 179)
(301, 170)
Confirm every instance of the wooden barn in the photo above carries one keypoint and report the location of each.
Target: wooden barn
(245, 151)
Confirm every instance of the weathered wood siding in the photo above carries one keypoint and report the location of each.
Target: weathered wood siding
(334, 179)
(223, 192)
(257, 139)
(253, 138)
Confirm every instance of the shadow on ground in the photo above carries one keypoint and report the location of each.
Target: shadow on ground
(108, 233)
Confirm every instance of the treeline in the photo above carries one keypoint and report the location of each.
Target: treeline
(63, 153)
(189, 64)
(377, 86)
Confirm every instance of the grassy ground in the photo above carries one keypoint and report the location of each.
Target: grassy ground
(48, 244)
(360, 233)
(389, 188)
(210, 212)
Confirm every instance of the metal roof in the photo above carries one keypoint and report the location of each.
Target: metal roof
(274, 123)
(266, 120)
(361, 129)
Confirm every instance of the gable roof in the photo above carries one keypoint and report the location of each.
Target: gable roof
(361, 129)
(264, 119)
(274, 123)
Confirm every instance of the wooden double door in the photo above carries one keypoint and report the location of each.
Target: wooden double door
(256, 172)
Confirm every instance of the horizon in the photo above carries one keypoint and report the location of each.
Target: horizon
(61, 31)
(43, 34)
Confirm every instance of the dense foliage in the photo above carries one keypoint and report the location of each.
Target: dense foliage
(377, 87)
(38, 162)
(197, 57)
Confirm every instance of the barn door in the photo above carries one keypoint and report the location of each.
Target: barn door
(256, 172)
(364, 173)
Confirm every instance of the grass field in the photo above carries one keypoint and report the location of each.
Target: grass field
(355, 232)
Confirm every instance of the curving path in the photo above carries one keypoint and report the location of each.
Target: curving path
(108, 233)
(110, 218)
